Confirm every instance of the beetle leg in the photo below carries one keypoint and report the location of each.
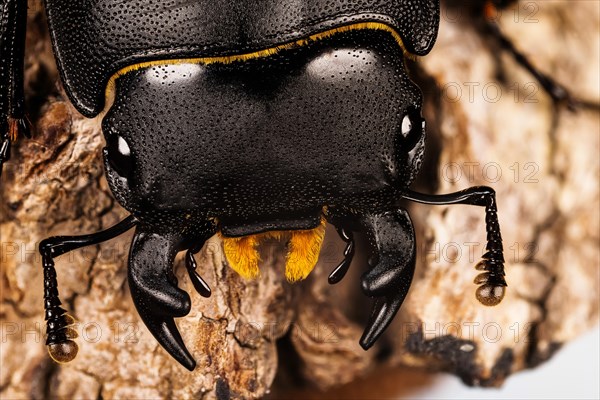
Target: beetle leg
(489, 27)
(13, 24)
(493, 285)
(60, 346)
(555, 90)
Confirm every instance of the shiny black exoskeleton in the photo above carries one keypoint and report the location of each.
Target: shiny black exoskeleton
(241, 118)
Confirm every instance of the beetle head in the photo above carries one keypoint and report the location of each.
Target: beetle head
(334, 122)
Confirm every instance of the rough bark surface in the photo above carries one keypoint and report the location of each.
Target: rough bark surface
(488, 123)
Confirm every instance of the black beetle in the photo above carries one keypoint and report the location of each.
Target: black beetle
(247, 120)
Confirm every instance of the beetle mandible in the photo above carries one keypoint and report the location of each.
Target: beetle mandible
(248, 120)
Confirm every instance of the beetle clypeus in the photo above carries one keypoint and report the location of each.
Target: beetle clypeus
(248, 120)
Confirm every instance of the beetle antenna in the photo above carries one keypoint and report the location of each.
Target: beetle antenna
(59, 331)
(492, 281)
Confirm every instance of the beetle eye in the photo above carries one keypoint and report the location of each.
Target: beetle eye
(119, 155)
(413, 126)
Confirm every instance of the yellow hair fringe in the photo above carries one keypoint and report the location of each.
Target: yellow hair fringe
(304, 247)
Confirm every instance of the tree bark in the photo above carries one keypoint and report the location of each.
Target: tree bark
(541, 159)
